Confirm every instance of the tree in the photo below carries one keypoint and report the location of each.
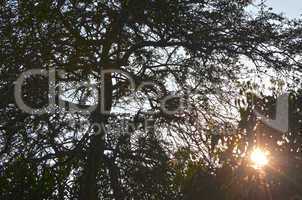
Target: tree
(190, 50)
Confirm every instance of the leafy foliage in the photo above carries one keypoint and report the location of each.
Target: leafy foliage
(185, 48)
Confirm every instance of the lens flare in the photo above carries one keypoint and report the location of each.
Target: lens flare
(259, 158)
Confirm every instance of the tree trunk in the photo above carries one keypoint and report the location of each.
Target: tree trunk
(88, 186)
(88, 190)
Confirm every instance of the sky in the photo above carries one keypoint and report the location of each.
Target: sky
(292, 8)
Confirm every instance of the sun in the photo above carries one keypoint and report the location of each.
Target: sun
(259, 158)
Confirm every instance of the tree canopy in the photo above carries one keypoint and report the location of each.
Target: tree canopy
(142, 99)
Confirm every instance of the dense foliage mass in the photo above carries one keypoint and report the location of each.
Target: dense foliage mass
(200, 54)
